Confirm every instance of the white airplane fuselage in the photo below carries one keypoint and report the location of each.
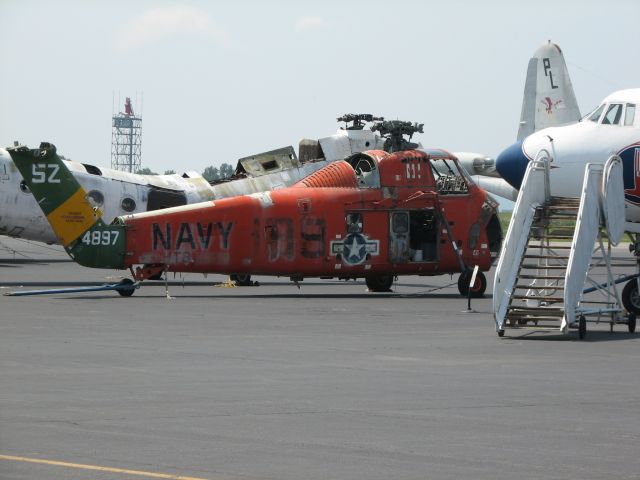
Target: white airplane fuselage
(612, 129)
(115, 192)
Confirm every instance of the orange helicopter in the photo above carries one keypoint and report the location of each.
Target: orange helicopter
(375, 215)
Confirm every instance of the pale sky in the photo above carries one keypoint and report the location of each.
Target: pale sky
(223, 80)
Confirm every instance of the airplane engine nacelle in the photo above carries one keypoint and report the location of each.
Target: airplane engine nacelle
(477, 164)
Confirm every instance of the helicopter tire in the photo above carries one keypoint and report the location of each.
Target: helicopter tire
(379, 283)
(478, 288)
(126, 292)
(241, 279)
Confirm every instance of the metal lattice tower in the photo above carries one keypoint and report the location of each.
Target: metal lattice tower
(126, 140)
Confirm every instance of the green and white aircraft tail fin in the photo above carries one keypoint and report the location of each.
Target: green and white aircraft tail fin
(77, 224)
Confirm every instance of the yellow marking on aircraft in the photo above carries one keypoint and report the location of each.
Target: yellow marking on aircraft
(98, 468)
(73, 217)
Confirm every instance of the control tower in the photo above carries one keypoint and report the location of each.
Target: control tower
(126, 140)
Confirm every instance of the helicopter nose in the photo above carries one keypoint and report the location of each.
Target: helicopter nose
(512, 163)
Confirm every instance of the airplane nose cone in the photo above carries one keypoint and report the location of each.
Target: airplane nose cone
(512, 163)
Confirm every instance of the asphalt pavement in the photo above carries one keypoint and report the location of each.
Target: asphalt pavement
(325, 381)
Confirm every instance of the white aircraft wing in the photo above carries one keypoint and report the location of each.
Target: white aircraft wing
(496, 186)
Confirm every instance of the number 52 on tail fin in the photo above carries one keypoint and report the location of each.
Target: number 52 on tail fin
(77, 224)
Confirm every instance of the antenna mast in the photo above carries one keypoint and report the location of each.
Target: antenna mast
(126, 140)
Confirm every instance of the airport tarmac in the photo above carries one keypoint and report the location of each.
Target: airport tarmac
(323, 382)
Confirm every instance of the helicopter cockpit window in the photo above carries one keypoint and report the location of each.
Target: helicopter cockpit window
(354, 223)
(612, 117)
(449, 178)
(400, 222)
(595, 116)
(629, 114)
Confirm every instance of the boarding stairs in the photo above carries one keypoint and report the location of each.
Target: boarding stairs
(554, 271)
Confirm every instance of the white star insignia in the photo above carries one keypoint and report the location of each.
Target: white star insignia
(354, 249)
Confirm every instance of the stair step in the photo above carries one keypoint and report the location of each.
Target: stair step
(536, 312)
(546, 213)
(538, 318)
(541, 277)
(539, 328)
(526, 308)
(554, 212)
(549, 247)
(520, 319)
(570, 204)
(546, 267)
(560, 205)
(554, 216)
(557, 198)
(563, 231)
(532, 318)
(541, 287)
(539, 298)
(556, 237)
(531, 255)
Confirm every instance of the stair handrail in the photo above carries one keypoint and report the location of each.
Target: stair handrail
(613, 199)
(585, 234)
(543, 158)
(530, 196)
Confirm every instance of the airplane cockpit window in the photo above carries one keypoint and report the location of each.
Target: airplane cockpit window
(629, 114)
(354, 222)
(612, 117)
(595, 116)
(449, 179)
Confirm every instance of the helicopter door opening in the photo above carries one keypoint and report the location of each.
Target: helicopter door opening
(161, 198)
(413, 236)
(423, 235)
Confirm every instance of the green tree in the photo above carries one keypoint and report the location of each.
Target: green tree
(211, 173)
(226, 170)
(169, 172)
(146, 171)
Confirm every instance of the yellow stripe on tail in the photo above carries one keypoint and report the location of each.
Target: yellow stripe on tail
(73, 217)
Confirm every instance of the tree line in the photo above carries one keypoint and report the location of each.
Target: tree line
(210, 173)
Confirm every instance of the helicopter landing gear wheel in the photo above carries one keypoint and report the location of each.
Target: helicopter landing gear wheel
(241, 279)
(477, 289)
(126, 291)
(379, 283)
(630, 296)
(631, 322)
(582, 327)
